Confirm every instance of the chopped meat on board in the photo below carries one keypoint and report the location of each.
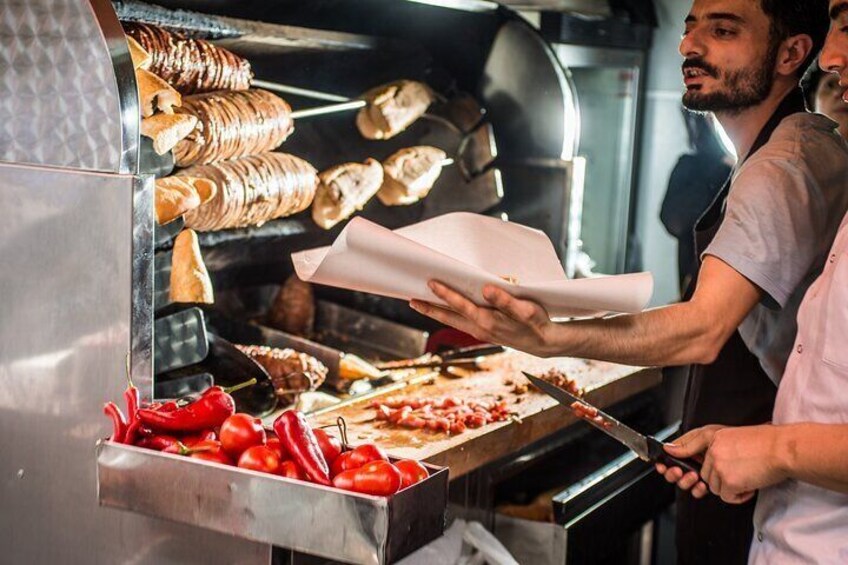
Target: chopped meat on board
(447, 415)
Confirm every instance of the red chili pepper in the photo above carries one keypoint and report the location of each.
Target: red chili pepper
(131, 398)
(297, 437)
(158, 442)
(209, 411)
(119, 423)
(133, 431)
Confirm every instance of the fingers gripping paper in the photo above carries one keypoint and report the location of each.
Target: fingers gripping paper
(466, 251)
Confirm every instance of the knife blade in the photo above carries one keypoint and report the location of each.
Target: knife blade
(647, 448)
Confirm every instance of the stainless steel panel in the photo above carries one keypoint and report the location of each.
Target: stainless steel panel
(526, 91)
(67, 87)
(65, 317)
(322, 521)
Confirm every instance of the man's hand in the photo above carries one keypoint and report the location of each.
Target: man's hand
(694, 445)
(520, 324)
(737, 463)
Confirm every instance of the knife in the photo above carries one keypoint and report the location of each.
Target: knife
(647, 448)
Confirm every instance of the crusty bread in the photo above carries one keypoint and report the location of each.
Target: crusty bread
(173, 197)
(189, 278)
(155, 94)
(205, 188)
(409, 174)
(140, 57)
(166, 130)
(344, 189)
(391, 108)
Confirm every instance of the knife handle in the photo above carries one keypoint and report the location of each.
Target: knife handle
(660, 455)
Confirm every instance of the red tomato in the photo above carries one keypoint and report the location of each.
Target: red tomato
(346, 480)
(213, 456)
(210, 450)
(379, 478)
(341, 464)
(240, 432)
(290, 470)
(191, 440)
(260, 458)
(411, 472)
(330, 446)
(275, 444)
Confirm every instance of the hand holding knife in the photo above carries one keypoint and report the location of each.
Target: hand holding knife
(647, 448)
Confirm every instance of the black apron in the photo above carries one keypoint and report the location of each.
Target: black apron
(734, 391)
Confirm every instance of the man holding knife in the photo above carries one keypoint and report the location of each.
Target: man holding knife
(799, 462)
(762, 242)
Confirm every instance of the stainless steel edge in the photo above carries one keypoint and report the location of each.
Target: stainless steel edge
(65, 330)
(305, 517)
(128, 101)
(141, 314)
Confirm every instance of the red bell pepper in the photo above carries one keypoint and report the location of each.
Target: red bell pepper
(209, 411)
(300, 442)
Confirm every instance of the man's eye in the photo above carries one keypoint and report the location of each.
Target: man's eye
(721, 32)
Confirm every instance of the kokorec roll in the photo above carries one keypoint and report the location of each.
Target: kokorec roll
(253, 190)
(190, 65)
(232, 125)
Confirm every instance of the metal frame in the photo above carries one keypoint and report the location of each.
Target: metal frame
(576, 56)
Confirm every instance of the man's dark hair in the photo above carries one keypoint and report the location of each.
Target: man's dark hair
(796, 17)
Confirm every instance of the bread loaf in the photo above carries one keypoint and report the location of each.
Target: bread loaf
(155, 94)
(253, 190)
(189, 279)
(166, 130)
(172, 198)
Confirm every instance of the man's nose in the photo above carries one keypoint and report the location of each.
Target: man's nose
(832, 59)
(691, 46)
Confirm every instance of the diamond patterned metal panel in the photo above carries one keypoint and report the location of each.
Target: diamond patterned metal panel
(59, 101)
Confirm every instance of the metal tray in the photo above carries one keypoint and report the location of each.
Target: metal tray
(308, 518)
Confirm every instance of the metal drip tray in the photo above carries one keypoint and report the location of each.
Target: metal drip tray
(323, 521)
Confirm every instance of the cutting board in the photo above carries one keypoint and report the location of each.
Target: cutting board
(536, 414)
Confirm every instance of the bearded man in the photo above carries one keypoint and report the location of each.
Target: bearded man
(762, 242)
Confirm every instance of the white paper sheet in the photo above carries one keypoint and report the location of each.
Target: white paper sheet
(466, 251)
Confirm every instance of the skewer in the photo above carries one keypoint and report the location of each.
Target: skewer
(343, 104)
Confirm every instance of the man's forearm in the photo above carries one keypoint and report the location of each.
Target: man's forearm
(679, 334)
(816, 454)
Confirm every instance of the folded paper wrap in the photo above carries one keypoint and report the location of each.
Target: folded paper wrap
(466, 251)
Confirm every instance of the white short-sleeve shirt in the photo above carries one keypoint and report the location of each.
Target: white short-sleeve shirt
(797, 522)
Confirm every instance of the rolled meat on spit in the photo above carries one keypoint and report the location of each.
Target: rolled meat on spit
(291, 372)
(190, 65)
(293, 309)
(392, 108)
(253, 190)
(384, 111)
(409, 174)
(344, 189)
(232, 125)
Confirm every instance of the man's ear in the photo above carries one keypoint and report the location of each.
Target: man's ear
(792, 54)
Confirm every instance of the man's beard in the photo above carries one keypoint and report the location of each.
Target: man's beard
(740, 89)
